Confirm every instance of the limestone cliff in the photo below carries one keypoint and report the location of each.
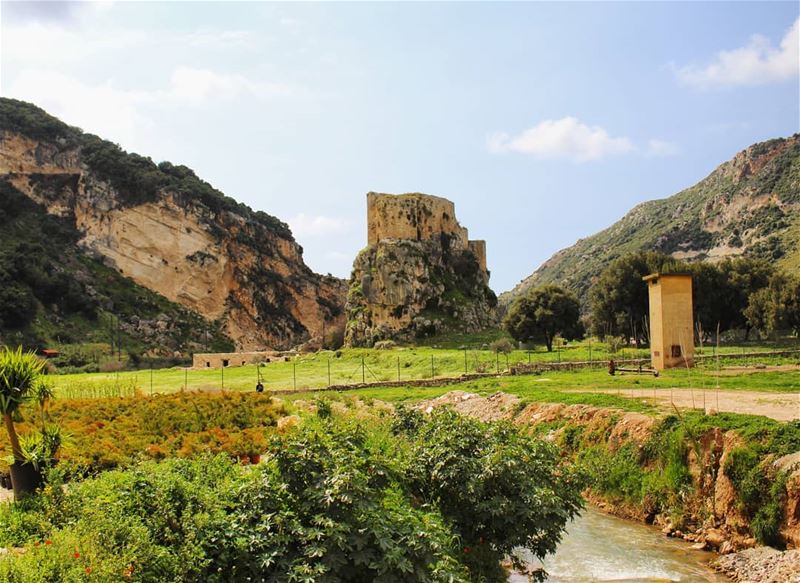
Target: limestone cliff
(170, 232)
(420, 275)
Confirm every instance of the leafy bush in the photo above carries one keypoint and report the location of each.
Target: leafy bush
(442, 500)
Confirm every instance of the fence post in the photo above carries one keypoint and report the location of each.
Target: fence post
(363, 372)
(329, 372)
(433, 370)
(186, 379)
(466, 365)
(497, 361)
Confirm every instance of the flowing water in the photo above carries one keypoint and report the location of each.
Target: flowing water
(599, 547)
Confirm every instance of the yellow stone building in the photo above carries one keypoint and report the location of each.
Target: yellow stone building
(671, 320)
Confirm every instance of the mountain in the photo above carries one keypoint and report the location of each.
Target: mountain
(748, 206)
(91, 231)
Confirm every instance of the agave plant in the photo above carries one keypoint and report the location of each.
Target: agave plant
(19, 372)
(41, 394)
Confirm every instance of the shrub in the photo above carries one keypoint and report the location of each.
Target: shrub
(444, 500)
(503, 345)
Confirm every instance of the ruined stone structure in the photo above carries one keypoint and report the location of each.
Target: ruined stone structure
(418, 217)
(225, 359)
(671, 323)
(419, 275)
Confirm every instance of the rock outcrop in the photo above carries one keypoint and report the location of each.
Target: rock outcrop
(172, 233)
(420, 275)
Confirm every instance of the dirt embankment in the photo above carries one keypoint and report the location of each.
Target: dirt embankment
(713, 516)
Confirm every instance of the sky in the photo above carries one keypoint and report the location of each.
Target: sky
(543, 122)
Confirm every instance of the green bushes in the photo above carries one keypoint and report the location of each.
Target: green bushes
(439, 499)
(761, 492)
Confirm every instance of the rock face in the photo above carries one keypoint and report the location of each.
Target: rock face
(168, 231)
(749, 206)
(420, 274)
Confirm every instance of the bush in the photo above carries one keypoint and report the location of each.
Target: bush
(444, 499)
(503, 345)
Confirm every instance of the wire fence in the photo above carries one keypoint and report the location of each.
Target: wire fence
(371, 367)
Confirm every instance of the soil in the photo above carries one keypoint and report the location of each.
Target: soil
(778, 406)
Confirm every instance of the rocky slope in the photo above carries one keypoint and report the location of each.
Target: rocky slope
(169, 232)
(748, 206)
(420, 275)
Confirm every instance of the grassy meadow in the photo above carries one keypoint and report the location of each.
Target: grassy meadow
(352, 366)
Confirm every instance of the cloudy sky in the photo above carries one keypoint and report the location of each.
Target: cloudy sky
(544, 122)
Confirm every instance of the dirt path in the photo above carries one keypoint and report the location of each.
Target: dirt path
(779, 406)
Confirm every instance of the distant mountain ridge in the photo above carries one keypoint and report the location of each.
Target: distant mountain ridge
(159, 228)
(748, 206)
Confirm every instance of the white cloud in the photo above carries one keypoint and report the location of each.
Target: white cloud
(660, 148)
(566, 138)
(757, 63)
(121, 114)
(317, 226)
(42, 42)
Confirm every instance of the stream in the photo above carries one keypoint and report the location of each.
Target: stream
(600, 547)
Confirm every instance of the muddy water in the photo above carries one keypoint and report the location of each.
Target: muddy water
(599, 547)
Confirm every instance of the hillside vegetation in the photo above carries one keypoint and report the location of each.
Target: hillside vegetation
(749, 206)
(93, 229)
(52, 293)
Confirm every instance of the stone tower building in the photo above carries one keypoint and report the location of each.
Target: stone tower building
(419, 275)
(671, 323)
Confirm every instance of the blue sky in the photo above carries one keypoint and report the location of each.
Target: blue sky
(544, 122)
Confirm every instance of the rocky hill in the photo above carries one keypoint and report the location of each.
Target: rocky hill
(122, 222)
(748, 206)
(419, 276)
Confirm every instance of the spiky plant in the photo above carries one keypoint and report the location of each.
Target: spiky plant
(19, 372)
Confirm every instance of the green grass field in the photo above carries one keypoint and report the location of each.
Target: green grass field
(318, 370)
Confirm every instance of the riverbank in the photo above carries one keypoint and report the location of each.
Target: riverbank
(761, 565)
(723, 483)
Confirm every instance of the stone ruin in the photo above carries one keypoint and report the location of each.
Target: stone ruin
(419, 275)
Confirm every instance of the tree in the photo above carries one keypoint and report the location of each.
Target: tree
(776, 307)
(745, 276)
(19, 373)
(619, 299)
(543, 313)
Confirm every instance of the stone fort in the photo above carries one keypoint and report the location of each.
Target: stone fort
(418, 217)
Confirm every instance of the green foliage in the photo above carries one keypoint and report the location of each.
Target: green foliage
(27, 119)
(499, 489)
(777, 306)
(19, 373)
(619, 302)
(329, 502)
(542, 314)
